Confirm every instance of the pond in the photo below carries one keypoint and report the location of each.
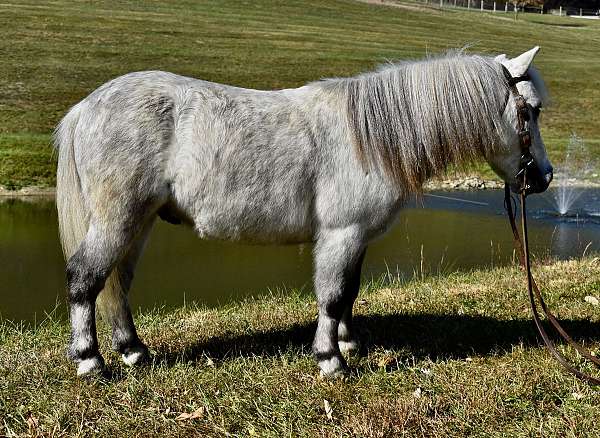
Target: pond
(441, 232)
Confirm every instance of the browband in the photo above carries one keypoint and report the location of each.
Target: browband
(512, 81)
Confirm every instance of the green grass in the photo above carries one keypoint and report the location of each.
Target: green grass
(55, 53)
(26, 160)
(450, 355)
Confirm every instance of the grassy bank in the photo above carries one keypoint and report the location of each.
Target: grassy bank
(445, 356)
(55, 53)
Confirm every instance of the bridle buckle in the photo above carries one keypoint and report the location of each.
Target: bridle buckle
(526, 162)
(524, 134)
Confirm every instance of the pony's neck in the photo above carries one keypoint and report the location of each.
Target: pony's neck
(414, 119)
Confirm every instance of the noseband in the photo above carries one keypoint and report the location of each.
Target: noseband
(526, 163)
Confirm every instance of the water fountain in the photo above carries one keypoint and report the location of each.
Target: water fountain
(570, 176)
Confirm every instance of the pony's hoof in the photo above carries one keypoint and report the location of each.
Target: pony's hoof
(349, 347)
(333, 368)
(336, 375)
(90, 367)
(136, 355)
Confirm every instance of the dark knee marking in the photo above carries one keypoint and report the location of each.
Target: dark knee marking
(84, 282)
(325, 355)
(335, 308)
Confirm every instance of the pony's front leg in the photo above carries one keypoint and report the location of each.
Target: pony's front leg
(347, 339)
(337, 254)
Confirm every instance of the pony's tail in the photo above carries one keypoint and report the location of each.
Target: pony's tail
(73, 214)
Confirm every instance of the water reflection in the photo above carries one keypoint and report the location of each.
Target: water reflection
(434, 234)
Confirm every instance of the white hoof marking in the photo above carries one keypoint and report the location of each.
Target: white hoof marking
(348, 346)
(333, 368)
(135, 356)
(90, 366)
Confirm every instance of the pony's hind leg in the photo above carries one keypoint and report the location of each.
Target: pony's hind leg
(87, 273)
(347, 339)
(114, 304)
(337, 254)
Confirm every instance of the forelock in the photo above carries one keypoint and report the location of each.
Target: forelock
(538, 84)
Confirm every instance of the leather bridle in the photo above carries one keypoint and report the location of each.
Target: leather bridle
(526, 164)
(526, 160)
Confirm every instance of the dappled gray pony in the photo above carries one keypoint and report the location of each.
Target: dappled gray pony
(331, 163)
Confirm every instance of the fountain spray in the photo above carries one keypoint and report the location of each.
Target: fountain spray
(569, 174)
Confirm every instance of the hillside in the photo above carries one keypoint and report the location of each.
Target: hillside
(55, 53)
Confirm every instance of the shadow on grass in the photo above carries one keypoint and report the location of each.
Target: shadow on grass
(438, 337)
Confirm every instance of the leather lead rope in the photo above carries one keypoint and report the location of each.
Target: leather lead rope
(522, 248)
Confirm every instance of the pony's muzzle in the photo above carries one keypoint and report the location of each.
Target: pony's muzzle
(538, 182)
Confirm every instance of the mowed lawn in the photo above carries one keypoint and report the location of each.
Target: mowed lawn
(454, 355)
(55, 53)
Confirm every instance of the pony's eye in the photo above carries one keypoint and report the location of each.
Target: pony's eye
(536, 110)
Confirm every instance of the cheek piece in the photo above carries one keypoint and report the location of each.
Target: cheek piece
(526, 162)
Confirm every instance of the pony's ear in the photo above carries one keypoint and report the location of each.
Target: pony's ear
(501, 58)
(518, 66)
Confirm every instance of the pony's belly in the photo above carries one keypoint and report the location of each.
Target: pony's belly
(258, 227)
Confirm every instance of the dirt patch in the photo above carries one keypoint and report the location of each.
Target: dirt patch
(463, 183)
(414, 7)
(26, 192)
